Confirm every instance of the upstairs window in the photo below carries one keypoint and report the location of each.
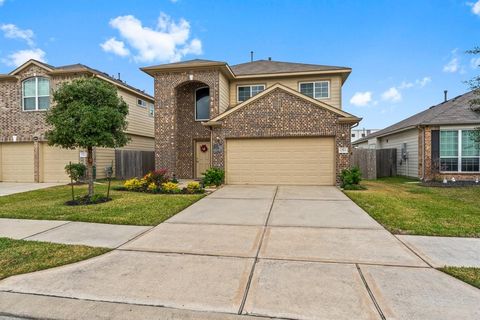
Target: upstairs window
(141, 103)
(246, 92)
(36, 94)
(315, 89)
(151, 110)
(202, 104)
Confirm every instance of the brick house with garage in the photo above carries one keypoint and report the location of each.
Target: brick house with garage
(26, 96)
(436, 143)
(263, 122)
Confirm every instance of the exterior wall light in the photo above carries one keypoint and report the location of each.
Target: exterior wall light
(14, 138)
(190, 77)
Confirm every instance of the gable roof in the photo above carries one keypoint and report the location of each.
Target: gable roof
(347, 117)
(78, 67)
(261, 67)
(258, 68)
(456, 111)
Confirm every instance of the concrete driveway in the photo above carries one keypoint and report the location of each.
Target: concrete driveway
(7, 188)
(248, 252)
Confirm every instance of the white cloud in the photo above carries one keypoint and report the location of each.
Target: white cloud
(476, 8)
(452, 66)
(361, 99)
(169, 41)
(18, 58)
(1, 2)
(392, 95)
(405, 85)
(475, 62)
(116, 47)
(423, 82)
(13, 32)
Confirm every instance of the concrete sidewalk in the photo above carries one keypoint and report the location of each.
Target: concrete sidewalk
(68, 232)
(252, 251)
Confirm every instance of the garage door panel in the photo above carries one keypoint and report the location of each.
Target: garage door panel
(16, 162)
(280, 161)
(54, 161)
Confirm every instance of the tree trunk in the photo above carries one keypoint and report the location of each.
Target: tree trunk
(90, 170)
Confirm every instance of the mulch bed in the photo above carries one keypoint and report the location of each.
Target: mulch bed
(450, 184)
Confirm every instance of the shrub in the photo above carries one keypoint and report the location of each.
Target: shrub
(170, 187)
(135, 184)
(157, 177)
(193, 187)
(214, 176)
(152, 187)
(75, 171)
(350, 177)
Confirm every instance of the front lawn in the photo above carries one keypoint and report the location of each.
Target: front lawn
(468, 275)
(19, 256)
(404, 207)
(133, 208)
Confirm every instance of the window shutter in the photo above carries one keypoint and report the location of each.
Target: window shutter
(435, 149)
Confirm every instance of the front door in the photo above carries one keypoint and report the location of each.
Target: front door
(202, 158)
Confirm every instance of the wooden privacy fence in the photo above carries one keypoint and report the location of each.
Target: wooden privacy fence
(133, 163)
(375, 163)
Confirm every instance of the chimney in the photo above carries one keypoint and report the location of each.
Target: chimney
(119, 77)
(445, 95)
(251, 56)
(269, 58)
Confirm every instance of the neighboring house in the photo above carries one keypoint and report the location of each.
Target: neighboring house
(435, 143)
(361, 133)
(264, 122)
(26, 95)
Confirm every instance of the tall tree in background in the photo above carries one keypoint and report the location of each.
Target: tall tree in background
(87, 113)
(474, 84)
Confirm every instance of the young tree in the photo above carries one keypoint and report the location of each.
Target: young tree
(474, 84)
(87, 113)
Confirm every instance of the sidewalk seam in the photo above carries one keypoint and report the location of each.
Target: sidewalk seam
(56, 227)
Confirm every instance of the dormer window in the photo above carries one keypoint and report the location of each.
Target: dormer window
(202, 104)
(315, 89)
(36, 94)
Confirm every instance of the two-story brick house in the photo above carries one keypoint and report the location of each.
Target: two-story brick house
(264, 122)
(26, 95)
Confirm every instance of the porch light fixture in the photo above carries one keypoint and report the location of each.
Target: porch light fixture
(14, 138)
(190, 77)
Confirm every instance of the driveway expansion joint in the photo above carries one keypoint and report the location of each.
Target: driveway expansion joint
(414, 252)
(242, 305)
(370, 293)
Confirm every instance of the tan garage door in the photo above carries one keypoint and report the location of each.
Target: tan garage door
(307, 161)
(16, 162)
(53, 163)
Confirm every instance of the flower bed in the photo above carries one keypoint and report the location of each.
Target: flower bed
(158, 182)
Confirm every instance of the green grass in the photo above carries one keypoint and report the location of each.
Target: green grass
(468, 275)
(19, 256)
(126, 207)
(404, 207)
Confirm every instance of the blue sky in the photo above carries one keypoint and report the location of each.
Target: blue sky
(403, 53)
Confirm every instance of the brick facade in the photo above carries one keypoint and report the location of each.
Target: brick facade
(175, 127)
(431, 171)
(281, 114)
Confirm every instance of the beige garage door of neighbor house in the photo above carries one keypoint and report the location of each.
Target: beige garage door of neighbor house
(16, 162)
(303, 161)
(53, 163)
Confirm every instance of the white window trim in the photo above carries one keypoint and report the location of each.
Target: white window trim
(143, 103)
(317, 81)
(195, 104)
(459, 152)
(151, 110)
(36, 94)
(250, 86)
